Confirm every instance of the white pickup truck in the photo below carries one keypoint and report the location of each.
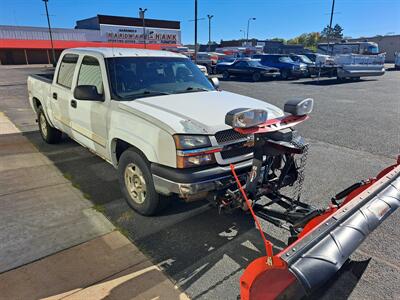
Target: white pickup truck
(152, 114)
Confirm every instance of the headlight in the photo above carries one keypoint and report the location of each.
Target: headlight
(245, 117)
(191, 141)
(194, 161)
(194, 151)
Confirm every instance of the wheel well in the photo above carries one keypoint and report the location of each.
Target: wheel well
(121, 146)
(36, 103)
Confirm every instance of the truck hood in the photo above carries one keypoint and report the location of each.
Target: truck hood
(194, 113)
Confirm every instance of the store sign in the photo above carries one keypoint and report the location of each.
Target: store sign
(134, 35)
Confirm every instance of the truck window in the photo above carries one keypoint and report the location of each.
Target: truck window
(66, 71)
(90, 73)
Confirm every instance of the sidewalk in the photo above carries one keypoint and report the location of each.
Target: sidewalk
(53, 245)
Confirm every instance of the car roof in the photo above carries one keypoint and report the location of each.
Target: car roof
(124, 52)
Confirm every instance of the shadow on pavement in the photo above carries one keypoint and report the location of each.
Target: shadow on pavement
(189, 241)
(343, 284)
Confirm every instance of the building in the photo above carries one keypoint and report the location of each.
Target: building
(273, 47)
(30, 45)
(387, 43)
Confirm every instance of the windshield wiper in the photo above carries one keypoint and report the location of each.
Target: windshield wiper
(146, 93)
(191, 89)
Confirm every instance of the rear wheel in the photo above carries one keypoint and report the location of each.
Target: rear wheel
(256, 76)
(284, 74)
(137, 184)
(226, 75)
(49, 134)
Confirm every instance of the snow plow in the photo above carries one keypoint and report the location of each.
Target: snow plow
(320, 240)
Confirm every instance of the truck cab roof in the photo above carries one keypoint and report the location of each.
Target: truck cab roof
(124, 52)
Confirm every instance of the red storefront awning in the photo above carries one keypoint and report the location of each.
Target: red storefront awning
(60, 44)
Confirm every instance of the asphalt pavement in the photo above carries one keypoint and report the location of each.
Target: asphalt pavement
(353, 134)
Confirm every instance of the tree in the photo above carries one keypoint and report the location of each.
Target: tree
(308, 40)
(335, 33)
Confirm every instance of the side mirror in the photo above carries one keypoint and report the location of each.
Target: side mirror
(215, 82)
(299, 107)
(87, 92)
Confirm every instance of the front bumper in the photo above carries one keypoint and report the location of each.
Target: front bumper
(189, 183)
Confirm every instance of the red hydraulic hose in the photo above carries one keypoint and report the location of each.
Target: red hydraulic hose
(267, 244)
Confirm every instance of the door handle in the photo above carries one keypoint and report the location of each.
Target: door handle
(55, 96)
(73, 103)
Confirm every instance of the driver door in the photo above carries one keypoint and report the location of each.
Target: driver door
(89, 119)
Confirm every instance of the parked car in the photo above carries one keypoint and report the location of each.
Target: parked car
(153, 115)
(311, 67)
(203, 69)
(205, 59)
(397, 61)
(247, 68)
(287, 67)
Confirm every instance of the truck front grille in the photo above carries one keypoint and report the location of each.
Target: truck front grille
(235, 152)
(227, 136)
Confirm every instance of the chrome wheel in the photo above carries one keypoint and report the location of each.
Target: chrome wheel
(43, 124)
(135, 183)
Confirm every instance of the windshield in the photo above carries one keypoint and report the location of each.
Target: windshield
(285, 59)
(254, 63)
(138, 77)
(373, 49)
(305, 59)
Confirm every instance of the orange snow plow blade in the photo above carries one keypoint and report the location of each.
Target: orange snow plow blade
(325, 243)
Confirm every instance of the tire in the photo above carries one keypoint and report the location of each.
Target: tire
(49, 134)
(226, 75)
(256, 76)
(136, 183)
(284, 74)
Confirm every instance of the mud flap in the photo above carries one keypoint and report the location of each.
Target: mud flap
(320, 252)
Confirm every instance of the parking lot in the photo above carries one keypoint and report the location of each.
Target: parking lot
(354, 132)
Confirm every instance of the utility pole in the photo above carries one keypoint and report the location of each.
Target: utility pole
(209, 31)
(141, 15)
(50, 33)
(248, 26)
(195, 31)
(330, 25)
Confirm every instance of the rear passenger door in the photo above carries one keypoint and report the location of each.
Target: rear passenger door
(61, 92)
(89, 119)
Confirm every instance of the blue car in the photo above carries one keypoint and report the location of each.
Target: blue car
(288, 68)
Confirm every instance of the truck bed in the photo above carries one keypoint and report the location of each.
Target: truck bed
(47, 77)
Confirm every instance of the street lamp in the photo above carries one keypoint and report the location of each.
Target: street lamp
(244, 33)
(209, 31)
(141, 15)
(248, 25)
(51, 35)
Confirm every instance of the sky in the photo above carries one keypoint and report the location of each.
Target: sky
(274, 18)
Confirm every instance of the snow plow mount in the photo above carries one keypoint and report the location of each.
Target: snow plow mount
(321, 240)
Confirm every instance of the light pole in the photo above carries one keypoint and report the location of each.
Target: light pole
(330, 25)
(141, 15)
(195, 31)
(248, 26)
(209, 31)
(50, 33)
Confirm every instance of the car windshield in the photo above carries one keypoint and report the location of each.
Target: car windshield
(137, 77)
(305, 59)
(285, 59)
(254, 63)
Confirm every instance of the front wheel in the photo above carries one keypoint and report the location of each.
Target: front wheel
(137, 184)
(256, 76)
(49, 134)
(226, 75)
